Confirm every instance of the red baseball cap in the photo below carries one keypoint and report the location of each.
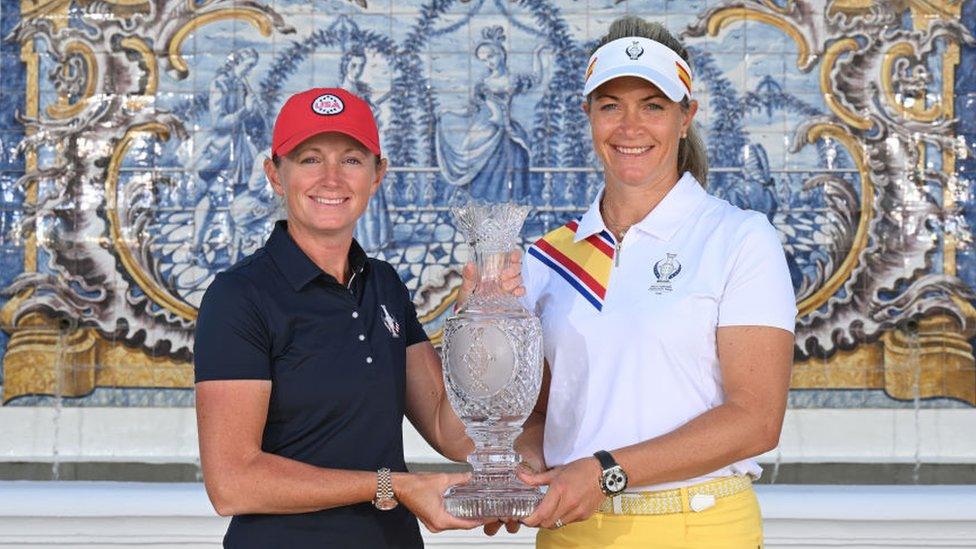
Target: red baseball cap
(321, 110)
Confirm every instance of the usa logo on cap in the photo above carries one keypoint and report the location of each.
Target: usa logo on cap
(327, 104)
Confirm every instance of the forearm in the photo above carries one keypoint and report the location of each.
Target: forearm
(271, 484)
(721, 436)
(452, 440)
(428, 407)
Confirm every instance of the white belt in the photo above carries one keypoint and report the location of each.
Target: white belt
(697, 498)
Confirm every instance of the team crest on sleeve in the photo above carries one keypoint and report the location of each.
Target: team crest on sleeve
(390, 322)
(665, 270)
(328, 104)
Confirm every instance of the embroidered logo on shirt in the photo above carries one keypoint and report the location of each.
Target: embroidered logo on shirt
(391, 323)
(584, 265)
(665, 270)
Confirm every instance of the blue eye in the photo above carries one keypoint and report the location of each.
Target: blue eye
(309, 160)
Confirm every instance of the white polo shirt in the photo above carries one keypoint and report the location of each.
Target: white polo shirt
(629, 330)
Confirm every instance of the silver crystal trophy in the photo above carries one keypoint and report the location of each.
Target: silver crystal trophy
(492, 355)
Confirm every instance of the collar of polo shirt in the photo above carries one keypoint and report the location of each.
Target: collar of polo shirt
(662, 222)
(297, 267)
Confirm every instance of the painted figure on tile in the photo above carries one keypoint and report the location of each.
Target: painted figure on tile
(226, 156)
(373, 230)
(757, 189)
(492, 157)
(252, 212)
(351, 69)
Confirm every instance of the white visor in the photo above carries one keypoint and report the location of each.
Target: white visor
(643, 58)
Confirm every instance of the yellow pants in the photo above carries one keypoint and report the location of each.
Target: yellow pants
(733, 523)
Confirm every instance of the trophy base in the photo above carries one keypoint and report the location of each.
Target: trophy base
(487, 501)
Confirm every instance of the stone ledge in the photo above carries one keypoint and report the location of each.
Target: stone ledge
(786, 473)
(123, 515)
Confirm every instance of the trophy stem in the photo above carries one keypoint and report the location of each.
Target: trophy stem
(494, 456)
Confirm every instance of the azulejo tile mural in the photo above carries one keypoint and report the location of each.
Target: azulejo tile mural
(133, 131)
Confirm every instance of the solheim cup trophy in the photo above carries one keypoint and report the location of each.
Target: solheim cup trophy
(492, 355)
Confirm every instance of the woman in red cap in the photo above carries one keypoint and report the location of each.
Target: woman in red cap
(667, 316)
(308, 355)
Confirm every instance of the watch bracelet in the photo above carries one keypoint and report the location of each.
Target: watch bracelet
(384, 483)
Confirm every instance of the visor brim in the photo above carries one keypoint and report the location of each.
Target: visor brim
(673, 89)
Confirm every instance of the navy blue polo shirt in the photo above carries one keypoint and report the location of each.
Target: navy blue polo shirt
(336, 358)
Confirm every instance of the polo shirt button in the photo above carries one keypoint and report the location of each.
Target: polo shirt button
(369, 360)
(355, 314)
(362, 337)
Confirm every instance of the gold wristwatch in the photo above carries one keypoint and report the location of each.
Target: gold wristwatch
(385, 500)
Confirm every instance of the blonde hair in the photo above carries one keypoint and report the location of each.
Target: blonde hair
(692, 156)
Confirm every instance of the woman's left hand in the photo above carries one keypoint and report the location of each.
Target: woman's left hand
(511, 278)
(574, 493)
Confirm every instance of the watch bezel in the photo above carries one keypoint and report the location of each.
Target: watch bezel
(385, 504)
(608, 477)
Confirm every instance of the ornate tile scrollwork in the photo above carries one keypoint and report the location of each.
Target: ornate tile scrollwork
(877, 284)
(144, 123)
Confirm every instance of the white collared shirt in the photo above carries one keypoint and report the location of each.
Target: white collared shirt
(640, 360)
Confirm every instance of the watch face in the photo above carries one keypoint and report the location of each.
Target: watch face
(614, 480)
(385, 504)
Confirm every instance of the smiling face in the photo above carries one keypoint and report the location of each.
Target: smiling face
(636, 130)
(326, 182)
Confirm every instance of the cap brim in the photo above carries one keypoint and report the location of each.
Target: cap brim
(674, 90)
(297, 139)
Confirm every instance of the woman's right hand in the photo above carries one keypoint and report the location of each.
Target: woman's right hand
(423, 494)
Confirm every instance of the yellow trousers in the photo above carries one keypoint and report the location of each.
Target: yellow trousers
(733, 523)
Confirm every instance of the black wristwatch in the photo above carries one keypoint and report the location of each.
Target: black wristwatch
(613, 480)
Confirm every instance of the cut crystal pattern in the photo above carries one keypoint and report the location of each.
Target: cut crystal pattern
(492, 370)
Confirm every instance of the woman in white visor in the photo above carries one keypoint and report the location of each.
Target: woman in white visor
(668, 319)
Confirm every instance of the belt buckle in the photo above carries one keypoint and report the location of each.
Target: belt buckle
(701, 502)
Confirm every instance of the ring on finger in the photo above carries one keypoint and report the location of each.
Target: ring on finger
(559, 523)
